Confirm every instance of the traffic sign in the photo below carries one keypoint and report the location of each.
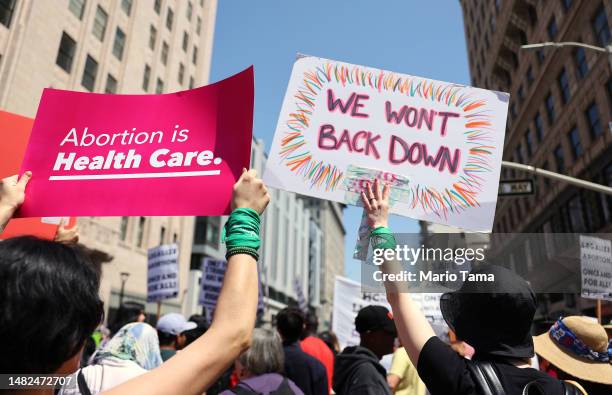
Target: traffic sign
(516, 187)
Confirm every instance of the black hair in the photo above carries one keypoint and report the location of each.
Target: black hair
(312, 323)
(290, 323)
(127, 313)
(49, 304)
(193, 334)
(165, 339)
(330, 339)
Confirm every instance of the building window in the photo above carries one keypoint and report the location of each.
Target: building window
(533, 14)
(157, 6)
(164, 53)
(567, 4)
(198, 25)
(77, 7)
(201, 3)
(559, 159)
(111, 84)
(574, 138)
(564, 86)
(174, 238)
(550, 108)
(89, 74)
(189, 10)
(123, 228)
(159, 88)
(540, 55)
(518, 154)
(146, 77)
(582, 66)
(126, 6)
(576, 215)
(552, 28)
(207, 231)
(194, 59)
(7, 9)
(529, 76)
(65, 55)
(185, 41)
(162, 235)
(169, 18)
(99, 25)
(119, 44)
(181, 73)
(529, 143)
(592, 115)
(600, 26)
(152, 37)
(539, 127)
(191, 83)
(140, 235)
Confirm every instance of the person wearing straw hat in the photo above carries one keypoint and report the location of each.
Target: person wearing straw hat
(579, 347)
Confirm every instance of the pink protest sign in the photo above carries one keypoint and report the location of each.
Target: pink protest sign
(171, 154)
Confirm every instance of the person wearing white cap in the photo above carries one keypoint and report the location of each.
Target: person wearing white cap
(170, 328)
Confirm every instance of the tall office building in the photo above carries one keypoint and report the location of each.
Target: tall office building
(327, 222)
(559, 117)
(110, 46)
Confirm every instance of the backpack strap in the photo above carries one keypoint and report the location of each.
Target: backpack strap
(573, 388)
(283, 388)
(569, 388)
(241, 390)
(82, 383)
(485, 378)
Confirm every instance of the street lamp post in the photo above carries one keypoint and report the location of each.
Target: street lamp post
(607, 49)
(124, 278)
(536, 171)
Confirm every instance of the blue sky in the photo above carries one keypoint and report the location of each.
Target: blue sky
(423, 38)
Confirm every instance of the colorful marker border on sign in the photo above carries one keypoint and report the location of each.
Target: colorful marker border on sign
(461, 195)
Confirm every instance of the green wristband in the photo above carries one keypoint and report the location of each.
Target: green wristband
(382, 238)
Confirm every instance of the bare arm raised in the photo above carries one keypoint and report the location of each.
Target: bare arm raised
(196, 367)
(413, 328)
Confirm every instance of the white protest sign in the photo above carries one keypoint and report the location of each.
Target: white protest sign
(162, 274)
(446, 139)
(349, 299)
(213, 272)
(596, 267)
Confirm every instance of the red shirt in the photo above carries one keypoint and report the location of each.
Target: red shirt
(318, 349)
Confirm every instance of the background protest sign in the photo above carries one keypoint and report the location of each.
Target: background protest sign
(213, 273)
(596, 267)
(163, 273)
(446, 139)
(96, 154)
(15, 131)
(349, 298)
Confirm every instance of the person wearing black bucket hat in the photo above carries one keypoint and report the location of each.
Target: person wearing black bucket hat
(494, 317)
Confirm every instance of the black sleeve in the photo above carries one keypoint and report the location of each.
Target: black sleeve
(369, 382)
(320, 385)
(443, 370)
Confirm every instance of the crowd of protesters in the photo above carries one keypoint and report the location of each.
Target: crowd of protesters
(51, 316)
